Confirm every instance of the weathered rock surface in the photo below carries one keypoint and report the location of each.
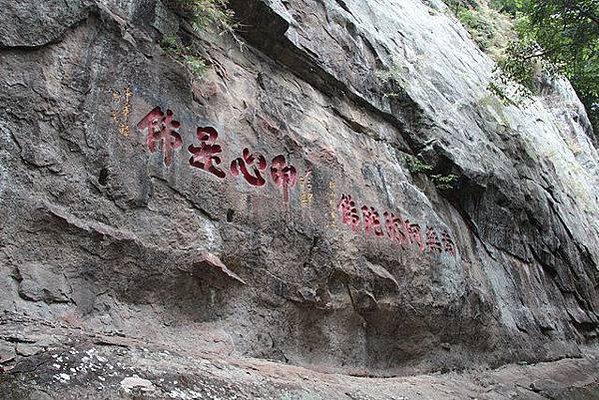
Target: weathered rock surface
(109, 231)
(96, 366)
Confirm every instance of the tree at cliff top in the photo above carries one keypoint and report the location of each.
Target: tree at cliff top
(561, 36)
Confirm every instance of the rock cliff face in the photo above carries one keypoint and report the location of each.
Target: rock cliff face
(272, 208)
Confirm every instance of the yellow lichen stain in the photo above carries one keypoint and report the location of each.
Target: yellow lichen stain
(306, 194)
(121, 110)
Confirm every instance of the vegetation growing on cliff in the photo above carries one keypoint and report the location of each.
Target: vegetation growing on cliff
(189, 54)
(205, 15)
(489, 28)
(562, 37)
(550, 37)
(443, 182)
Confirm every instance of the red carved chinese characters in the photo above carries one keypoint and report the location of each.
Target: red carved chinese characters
(163, 133)
(396, 228)
(162, 130)
(283, 175)
(372, 221)
(415, 234)
(432, 241)
(256, 161)
(205, 156)
(349, 212)
(448, 244)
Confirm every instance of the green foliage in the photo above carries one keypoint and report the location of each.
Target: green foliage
(416, 166)
(499, 89)
(568, 33)
(206, 14)
(489, 28)
(196, 64)
(441, 182)
(444, 182)
(505, 6)
(395, 73)
(511, 68)
(457, 5)
(557, 37)
(393, 80)
(480, 28)
(193, 61)
(170, 43)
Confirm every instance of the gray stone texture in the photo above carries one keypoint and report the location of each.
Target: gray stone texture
(99, 235)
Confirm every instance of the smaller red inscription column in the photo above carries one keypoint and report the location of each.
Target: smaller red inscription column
(415, 235)
(349, 212)
(283, 175)
(432, 241)
(396, 228)
(372, 222)
(448, 244)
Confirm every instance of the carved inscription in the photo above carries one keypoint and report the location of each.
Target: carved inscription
(205, 156)
(306, 189)
(349, 212)
(448, 244)
(283, 175)
(394, 227)
(162, 131)
(372, 221)
(256, 164)
(432, 240)
(121, 110)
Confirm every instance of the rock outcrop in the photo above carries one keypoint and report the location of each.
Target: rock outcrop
(274, 208)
